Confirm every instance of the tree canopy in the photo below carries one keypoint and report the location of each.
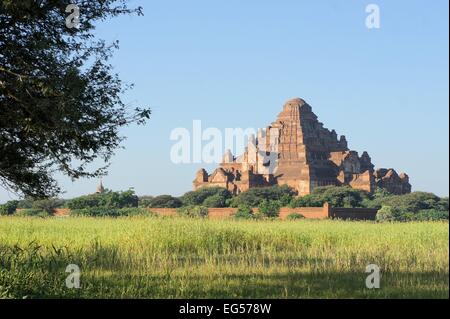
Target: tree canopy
(61, 105)
(336, 196)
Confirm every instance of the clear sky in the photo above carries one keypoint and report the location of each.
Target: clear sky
(234, 63)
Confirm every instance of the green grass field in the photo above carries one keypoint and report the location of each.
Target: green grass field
(190, 258)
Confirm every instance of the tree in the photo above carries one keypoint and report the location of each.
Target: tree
(164, 201)
(9, 208)
(108, 199)
(336, 196)
(61, 105)
(47, 205)
(215, 201)
(255, 196)
(270, 208)
(145, 201)
(341, 196)
(193, 211)
(413, 202)
(244, 212)
(201, 195)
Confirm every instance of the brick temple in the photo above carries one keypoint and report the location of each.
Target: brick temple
(297, 150)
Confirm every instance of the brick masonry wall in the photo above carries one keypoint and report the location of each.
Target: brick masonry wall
(353, 213)
(309, 212)
(164, 211)
(217, 213)
(62, 211)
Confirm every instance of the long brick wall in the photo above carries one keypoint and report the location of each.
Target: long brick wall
(217, 213)
(308, 212)
(353, 213)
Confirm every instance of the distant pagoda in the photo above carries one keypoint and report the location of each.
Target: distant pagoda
(100, 189)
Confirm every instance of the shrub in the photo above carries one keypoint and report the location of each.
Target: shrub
(430, 215)
(442, 205)
(258, 216)
(307, 201)
(96, 212)
(9, 208)
(134, 211)
(285, 199)
(109, 200)
(295, 216)
(84, 202)
(255, 196)
(386, 213)
(199, 196)
(47, 205)
(145, 201)
(413, 202)
(342, 196)
(336, 196)
(215, 201)
(125, 199)
(193, 211)
(417, 206)
(30, 212)
(244, 212)
(270, 208)
(112, 212)
(27, 202)
(163, 201)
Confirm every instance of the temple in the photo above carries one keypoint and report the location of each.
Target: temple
(297, 150)
(100, 188)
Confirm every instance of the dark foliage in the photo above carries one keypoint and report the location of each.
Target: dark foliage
(112, 212)
(198, 197)
(162, 201)
(244, 212)
(295, 216)
(255, 196)
(417, 206)
(413, 202)
(108, 200)
(193, 211)
(61, 105)
(32, 213)
(344, 196)
(9, 208)
(270, 208)
(47, 205)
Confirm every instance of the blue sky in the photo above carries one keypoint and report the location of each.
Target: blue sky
(234, 63)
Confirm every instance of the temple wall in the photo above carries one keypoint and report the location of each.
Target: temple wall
(308, 212)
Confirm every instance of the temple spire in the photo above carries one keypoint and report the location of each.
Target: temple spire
(100, 189)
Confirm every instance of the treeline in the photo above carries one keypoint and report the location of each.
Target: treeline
(417, 206)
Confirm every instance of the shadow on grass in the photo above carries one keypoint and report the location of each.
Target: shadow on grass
(279, 286)
(34, 273)
(320, 285)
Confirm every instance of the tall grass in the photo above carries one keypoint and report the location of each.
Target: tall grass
(188, 258)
